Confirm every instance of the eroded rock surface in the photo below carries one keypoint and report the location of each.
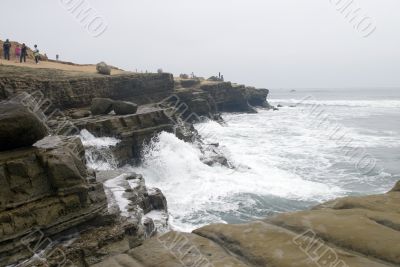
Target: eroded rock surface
(352, 231)
(45, 187)
(19, 127)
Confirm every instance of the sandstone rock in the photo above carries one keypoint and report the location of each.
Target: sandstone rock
(103, 68)
(352, 231)
(257, 97)
(396, 187)
(187, 83)
(44, 187)
(175, 249)
(133, 130)
(101, 106)
(228, 97)
(66, 89)
(80, 114)
(19, 127)
(124, 107)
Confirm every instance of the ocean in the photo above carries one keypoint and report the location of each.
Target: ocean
(320, 145)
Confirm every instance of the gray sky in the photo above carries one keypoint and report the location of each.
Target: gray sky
(266, 43)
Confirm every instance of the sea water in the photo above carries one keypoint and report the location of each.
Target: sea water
(322, 144)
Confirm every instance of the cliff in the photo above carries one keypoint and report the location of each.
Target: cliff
(46, 187)
(73, 89)
(46, 190)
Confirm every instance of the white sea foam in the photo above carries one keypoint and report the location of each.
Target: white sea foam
(196, 192)
(283, 159)
(98, 151)
(309, 100)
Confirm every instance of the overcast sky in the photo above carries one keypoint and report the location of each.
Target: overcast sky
(266, 43)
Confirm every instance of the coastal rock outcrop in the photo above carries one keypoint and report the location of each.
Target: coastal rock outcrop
(347, 232)
(124, 107)
(19, 127)
(69, 89)
(101, 106)
(133, 130)
(46, 189)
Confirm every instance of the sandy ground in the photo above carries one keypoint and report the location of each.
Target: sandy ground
(55, 65)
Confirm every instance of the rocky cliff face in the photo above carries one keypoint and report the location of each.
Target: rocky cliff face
(76, 90)
(45, 187)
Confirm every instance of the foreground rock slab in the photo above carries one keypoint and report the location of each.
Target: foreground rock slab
(348, 232)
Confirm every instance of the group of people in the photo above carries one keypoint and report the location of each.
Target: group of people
(21, 52)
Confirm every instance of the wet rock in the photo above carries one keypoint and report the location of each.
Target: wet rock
(19, 127)
(149, 227)
(351, 231)
(101, 106)
(124, 107)
(103, 68)
(157, 199)
(279, 106)
(133, 176)
(217, 159)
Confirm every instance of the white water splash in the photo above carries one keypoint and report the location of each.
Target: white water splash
(98, 153)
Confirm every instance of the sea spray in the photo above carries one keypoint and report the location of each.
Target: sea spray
(98, 153)
(199, 194)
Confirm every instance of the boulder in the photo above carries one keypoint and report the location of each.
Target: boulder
(101, 106)
(124, 107)
(19, 127)
(103, 68)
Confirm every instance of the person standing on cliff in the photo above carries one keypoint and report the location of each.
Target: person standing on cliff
(17, 53)
(24, 52)
(6, 49)
(36, 54)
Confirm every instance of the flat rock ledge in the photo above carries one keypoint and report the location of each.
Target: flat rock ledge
(352, 231)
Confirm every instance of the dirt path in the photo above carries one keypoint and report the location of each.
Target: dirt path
(56, 65)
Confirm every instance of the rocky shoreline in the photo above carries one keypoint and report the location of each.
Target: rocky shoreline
(54, 206)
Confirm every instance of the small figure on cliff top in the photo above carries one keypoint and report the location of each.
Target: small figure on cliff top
(57, 57)
(24, 52)
(222, 77)
(6, 49)
(36, 54)
(17, 53)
